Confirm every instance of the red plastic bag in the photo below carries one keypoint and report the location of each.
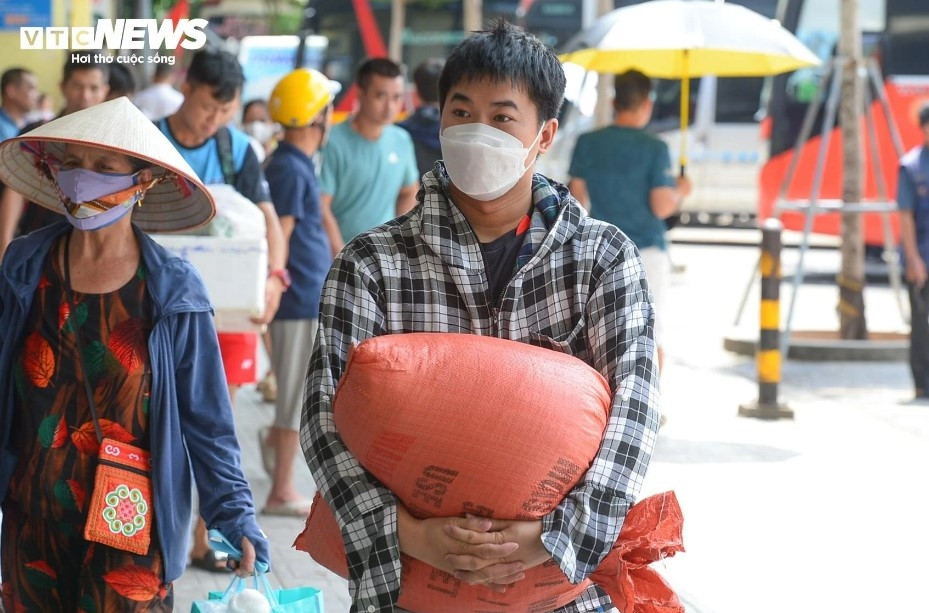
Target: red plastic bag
(651, 532)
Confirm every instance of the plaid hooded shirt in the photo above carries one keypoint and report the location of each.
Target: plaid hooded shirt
(579, 287)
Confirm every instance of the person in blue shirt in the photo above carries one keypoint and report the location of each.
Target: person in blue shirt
(622, 175)
(221, 153)
(423, 123)
(92, 304)
(369, 173)
(301, 104)
(913, 203)
(19, 95)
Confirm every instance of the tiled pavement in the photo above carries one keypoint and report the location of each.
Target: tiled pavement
(290, 568)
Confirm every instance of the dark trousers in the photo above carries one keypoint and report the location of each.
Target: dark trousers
(919, 338)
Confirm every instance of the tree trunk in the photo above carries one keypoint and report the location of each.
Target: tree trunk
(472, 18)
(603, 112)
(852, 324)
(397, 23)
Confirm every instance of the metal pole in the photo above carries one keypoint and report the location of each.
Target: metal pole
(890, 253)
(805, 129)
(828, 121)
(748, 289)
(305, 29)
(768, 355)
(877, 81)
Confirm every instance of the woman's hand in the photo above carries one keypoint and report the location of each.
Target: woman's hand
(447, 542)
(246, 566)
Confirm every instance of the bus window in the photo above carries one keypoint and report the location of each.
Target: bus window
(817, 26)
(896, 34)
(907, 27)
(762, 7)
(738, 99)
(666, 114)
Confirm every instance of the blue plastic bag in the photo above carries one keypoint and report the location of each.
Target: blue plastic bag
(283, 600)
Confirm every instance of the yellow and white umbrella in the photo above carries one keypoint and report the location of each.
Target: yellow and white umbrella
(681, 39)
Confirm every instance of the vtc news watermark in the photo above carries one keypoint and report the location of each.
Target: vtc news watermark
(119, 35)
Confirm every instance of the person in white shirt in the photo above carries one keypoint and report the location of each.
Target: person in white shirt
(160, 99)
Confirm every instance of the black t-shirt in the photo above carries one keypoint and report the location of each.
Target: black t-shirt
(500, 260)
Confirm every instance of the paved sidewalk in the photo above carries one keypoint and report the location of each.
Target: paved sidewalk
(290, 568)
(826, 512)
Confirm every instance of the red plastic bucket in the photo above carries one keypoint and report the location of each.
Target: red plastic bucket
(240, 356)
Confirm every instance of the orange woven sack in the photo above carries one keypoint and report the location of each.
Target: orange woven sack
(460, 423)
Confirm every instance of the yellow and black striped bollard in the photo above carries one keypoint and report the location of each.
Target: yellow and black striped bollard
(768, 355)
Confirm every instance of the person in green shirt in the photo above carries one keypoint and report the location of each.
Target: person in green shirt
(622, 175)
(369, 173)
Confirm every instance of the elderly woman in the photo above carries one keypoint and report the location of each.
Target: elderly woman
(109, 358)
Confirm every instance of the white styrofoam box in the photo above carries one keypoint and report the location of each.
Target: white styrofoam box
(234, 271)
(236, 215)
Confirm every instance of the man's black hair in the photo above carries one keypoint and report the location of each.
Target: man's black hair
(218, 70)
(924, 115)
(84, 60)
(250, 104)
(507, 53)
(163, 69)
(632, 88)
(12, 76)
(426, 77)
(122, 82)
(380, 66)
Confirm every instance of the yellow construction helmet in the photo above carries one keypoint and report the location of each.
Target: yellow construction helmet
(298, 97)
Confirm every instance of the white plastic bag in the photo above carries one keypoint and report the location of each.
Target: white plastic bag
(236, 215)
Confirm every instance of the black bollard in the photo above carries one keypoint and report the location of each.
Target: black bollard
(768, 355)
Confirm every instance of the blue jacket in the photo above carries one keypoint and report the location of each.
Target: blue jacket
(191, 424)
(913, 195)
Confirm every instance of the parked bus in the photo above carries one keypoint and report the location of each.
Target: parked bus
(896, 34)
(725, 150)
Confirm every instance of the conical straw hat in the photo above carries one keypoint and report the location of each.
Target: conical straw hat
(174, 205)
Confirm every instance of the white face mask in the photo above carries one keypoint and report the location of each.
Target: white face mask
(262, 131)
(482, 161)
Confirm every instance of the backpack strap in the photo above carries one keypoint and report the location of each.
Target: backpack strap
(224, 147)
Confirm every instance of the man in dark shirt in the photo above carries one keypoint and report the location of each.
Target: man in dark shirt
(300, 103)
(913, 202)
(423, 124)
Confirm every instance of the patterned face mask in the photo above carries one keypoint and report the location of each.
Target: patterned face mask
(94, 200)
(81, 185)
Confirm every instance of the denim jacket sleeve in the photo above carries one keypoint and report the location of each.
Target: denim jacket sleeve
(209, 432)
